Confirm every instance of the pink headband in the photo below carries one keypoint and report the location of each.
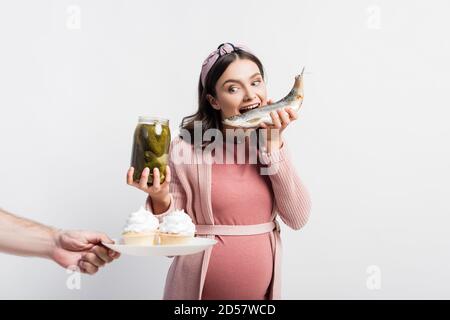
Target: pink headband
(221, 50)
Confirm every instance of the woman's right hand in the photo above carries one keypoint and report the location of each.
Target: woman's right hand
(157, 191)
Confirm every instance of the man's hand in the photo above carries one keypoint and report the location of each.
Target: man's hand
(82, 249)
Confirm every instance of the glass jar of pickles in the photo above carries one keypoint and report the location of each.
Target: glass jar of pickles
(151, 147)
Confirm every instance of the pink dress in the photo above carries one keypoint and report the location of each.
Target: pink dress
(240, 267)
(190, 190)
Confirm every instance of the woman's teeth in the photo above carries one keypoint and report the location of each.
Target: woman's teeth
(250, 107)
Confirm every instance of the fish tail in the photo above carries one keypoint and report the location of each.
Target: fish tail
(298, 86)
(300, 76)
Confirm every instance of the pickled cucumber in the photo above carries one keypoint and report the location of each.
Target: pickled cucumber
(150, 150)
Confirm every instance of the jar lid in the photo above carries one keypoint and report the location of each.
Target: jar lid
(153, 120)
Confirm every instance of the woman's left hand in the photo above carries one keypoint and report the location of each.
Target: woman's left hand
(280, 119)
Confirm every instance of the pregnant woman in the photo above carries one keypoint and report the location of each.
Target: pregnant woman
(231, 202)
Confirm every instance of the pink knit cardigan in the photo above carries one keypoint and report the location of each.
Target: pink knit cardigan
(190, 190)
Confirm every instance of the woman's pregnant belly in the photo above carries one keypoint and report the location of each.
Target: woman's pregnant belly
(240, 267)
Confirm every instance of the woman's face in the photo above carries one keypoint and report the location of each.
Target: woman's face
(239, 87)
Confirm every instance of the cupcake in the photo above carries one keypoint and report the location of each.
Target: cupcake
(176, 228)
(141, 228)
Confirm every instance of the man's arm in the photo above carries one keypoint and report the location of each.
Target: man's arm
(24, 237)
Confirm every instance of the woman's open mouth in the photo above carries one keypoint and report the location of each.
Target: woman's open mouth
(249, 107)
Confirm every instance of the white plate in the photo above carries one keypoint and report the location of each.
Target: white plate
(196, 245)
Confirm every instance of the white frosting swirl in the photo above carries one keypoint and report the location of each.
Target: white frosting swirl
(178, 222)
(141, 221)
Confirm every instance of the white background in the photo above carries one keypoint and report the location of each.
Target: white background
(371, 144)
